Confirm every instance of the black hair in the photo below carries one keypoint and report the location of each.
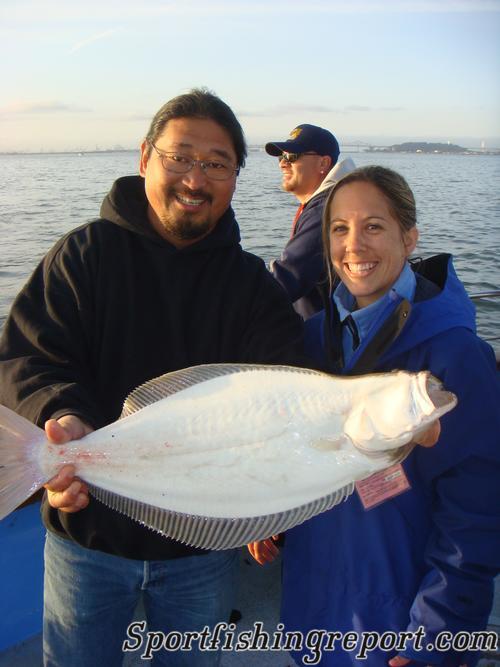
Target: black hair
(200, 103)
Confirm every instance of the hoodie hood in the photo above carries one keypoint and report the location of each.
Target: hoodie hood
(337, 172)
(126, 205)
(441, 303)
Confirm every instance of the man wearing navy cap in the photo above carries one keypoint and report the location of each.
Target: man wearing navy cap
(309, 165)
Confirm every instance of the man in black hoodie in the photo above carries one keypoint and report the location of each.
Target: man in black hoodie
(158, 283)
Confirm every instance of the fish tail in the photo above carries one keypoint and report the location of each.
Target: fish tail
(20, 472)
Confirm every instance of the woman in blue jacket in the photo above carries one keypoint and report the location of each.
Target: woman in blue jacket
(422, 556)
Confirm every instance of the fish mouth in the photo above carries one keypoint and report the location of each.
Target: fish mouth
(442, 400)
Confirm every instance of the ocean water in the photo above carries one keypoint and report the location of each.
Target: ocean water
(458, 199)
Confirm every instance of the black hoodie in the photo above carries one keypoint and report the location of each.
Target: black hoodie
(113, 305)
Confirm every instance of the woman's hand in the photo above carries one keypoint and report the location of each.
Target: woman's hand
(66, 492)
(264, 551)
(430, 437)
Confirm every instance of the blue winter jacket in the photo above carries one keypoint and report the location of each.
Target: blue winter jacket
(428, 556)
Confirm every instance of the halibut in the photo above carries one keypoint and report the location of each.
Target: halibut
(221, 455)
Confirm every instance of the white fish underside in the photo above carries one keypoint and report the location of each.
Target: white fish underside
(238, 444)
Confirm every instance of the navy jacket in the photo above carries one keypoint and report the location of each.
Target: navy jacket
(428, 556)
(300, 269)
(301, 266)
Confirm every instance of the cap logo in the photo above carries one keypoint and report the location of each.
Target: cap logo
(295, 133)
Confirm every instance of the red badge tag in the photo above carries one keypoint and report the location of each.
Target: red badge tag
(382, 486)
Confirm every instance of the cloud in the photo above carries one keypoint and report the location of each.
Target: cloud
(94, 38)
(356, 107)
(37, 108)
(138, 117)
(283, 110)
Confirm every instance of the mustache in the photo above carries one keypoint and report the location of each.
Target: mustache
(187, 192)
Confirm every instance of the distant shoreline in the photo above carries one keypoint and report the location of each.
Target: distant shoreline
(466, 151)
(424, 148)
(432, 148)
(72, 152)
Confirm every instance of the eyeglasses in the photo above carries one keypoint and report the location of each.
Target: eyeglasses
(292, 157)
(177, 163)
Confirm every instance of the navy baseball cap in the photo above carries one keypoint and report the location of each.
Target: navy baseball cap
(304, 139)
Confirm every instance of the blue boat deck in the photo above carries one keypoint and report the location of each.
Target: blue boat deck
(21, 576)
(21, 565)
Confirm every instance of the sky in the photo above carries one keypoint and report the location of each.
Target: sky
(81, 75)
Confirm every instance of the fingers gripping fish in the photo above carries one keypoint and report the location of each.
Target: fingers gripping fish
(220, 455)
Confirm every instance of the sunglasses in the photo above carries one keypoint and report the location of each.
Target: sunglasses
(292, 157)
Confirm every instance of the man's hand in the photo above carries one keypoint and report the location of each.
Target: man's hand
(264, 551)
(65, 492)
(430, 437)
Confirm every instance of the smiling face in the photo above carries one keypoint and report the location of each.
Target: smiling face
(184, 208)
(368, 247)
(304, 176)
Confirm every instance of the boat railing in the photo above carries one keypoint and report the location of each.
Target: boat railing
(485, 295)
(490, 294)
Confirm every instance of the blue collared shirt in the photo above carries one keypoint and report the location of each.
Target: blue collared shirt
(403, 288)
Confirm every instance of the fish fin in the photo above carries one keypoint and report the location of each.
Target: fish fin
(171, 383)
(217, 532)
(20, 473)
(359, 427)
